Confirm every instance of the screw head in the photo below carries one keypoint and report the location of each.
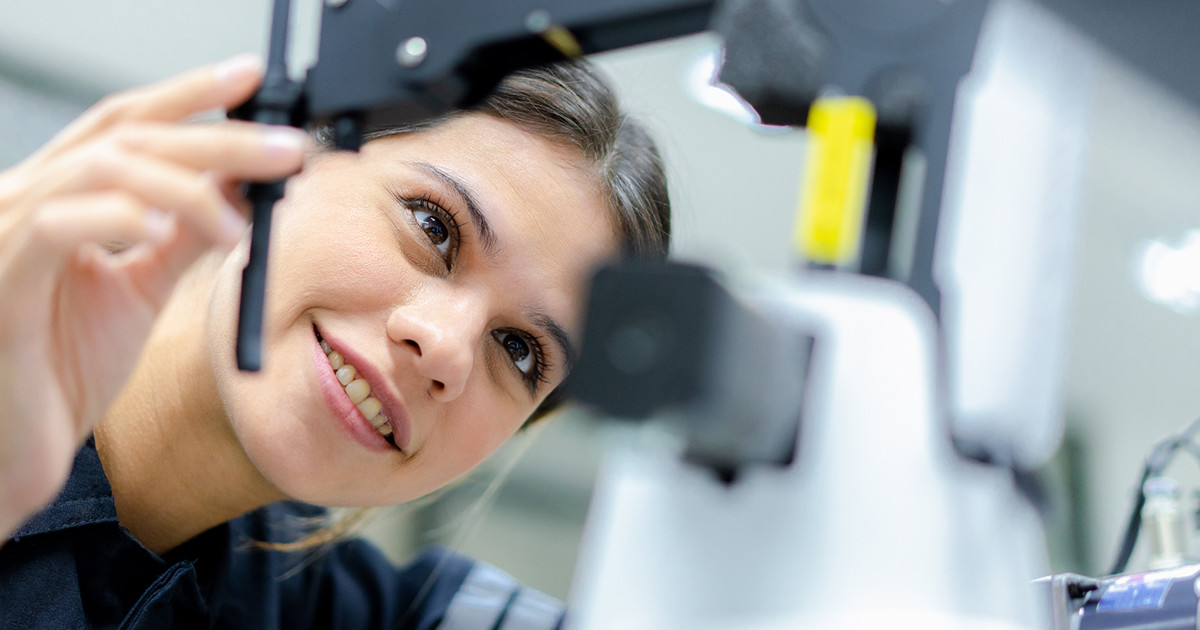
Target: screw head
(411, 51)
(336, 4)
(538, 21)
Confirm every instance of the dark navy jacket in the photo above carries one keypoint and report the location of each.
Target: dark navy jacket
(74, 566)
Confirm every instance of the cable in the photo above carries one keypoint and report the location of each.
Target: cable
(1156, 462)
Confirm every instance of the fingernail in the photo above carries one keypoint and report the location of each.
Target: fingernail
(233, 224)
(237, 68)
(159, 226)
(281, 142)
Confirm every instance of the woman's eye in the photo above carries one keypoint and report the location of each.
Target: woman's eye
(519, 351)
(436, 229)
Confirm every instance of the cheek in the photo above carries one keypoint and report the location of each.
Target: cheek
(350, 258)
(471, 437)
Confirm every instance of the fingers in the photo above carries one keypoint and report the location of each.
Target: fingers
(67, 223)
(154, 271)
(193, 196)
(128, 155)
(80, 227)
(224, 85)
(155, 248)
(244, 150)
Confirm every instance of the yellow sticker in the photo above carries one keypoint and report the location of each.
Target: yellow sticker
(837, 168)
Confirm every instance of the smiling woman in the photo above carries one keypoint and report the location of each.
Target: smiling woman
(425, 297)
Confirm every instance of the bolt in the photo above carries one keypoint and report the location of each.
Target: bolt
(538, 21)
(412, 52)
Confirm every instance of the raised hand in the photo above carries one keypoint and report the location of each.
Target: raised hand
(95, 229)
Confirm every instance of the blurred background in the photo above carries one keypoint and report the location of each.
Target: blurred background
(1133, 374)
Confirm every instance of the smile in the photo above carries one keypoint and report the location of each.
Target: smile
(358, 391)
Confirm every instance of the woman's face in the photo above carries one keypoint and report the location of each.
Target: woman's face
(447, 267)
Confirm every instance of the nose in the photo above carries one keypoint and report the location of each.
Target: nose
(439, 335)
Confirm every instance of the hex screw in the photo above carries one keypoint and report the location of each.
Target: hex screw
(412, 52)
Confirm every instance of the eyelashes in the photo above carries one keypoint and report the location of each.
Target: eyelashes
(441, 226)
(525, 351)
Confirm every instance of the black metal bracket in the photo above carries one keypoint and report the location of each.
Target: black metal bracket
(667, 337)
(392, 63)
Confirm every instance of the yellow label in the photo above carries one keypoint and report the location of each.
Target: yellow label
(841, 139)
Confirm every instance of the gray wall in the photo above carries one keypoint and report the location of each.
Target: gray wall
(1132, 376)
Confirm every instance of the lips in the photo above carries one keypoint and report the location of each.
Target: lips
(356, 391)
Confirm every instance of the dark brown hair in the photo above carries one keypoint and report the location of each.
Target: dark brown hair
(569, 103)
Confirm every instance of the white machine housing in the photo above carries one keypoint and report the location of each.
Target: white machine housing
(879, 522)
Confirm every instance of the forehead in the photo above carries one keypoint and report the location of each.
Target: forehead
(503, 160)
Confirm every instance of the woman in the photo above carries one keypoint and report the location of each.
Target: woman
(424, 303)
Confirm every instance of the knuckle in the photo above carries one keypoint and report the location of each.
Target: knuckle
(42, 230)
(113, 106)
(126, 135)
(203, 195)
(122, 201)
(103, 159)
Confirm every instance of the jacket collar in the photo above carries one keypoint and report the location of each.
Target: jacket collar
(86, 499)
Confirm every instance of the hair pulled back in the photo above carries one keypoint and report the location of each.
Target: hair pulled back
(571, 104)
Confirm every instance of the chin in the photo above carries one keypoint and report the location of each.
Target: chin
(303, 463)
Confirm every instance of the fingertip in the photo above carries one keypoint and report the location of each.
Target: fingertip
(239, 71)
(285, 143)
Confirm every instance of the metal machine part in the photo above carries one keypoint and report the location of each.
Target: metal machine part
(875, 496)
(385, 64)
(1005, 256)
(1062, 596)
(668, 338)
(388, 64)
(1162, 600)
(905, 57)
(1162, 520)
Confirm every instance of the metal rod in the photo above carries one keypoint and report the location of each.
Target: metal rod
(272, 106)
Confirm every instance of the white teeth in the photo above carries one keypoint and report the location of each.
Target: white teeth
(358, 390)
(370, 409)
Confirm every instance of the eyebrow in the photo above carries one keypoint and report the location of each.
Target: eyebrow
(478, 217)
(490, 245)
(560, 336)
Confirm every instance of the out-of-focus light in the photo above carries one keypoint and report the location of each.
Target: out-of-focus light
(702, 85)
(1169, 274)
